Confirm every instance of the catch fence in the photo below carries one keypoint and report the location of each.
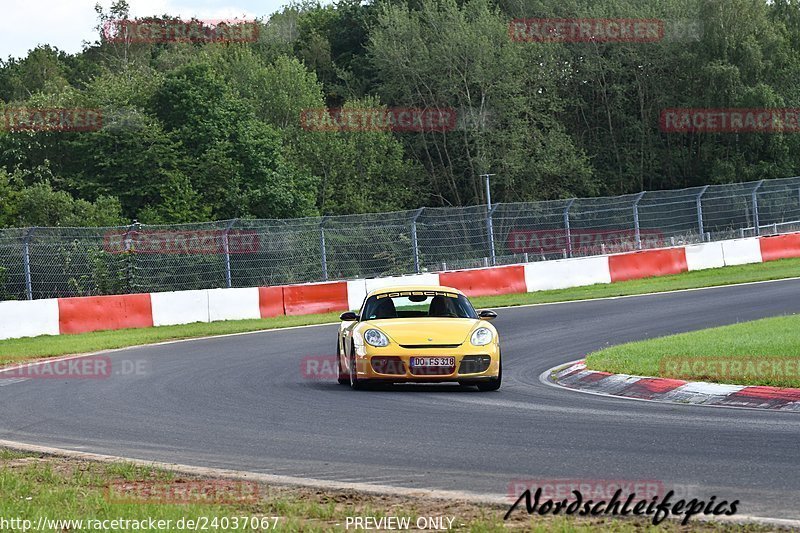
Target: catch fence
(57, 262)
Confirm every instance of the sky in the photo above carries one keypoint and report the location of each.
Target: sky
(66, 24)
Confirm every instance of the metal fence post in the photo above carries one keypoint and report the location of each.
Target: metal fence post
(490, 229)
(566, 226)
(323, 253)
(700, 227)
(26, 260)
(755, 207)
(636, 220)
(127, 239)
(489, 212)
(414, 244)
(226, 248)
(129, 256)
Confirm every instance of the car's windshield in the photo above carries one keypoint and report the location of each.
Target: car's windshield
(411, 304)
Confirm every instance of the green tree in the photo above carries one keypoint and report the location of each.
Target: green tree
(447, 56)
(40, 205)
(354, 166)
(43, 70)
(236, 161)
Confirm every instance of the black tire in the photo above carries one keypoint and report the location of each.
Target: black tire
(342, 378)
(355, 383)
(494, 383)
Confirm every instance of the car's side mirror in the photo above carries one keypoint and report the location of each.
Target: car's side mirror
(348, 316)
(486, 314)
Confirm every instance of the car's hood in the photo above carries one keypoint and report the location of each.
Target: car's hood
(425, 330)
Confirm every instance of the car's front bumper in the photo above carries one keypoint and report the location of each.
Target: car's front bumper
(392, 363)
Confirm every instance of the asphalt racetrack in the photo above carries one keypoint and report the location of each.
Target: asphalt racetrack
(242, 402)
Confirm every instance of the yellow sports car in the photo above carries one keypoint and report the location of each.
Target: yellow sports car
(421, 334)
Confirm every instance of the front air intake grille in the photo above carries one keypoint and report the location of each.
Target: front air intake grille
(432, 370)
(474, 364)
(392, 366)
(422, 346)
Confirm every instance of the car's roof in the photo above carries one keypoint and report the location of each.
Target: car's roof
(406, 288)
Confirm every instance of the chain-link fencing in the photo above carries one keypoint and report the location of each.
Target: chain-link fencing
(58, 262)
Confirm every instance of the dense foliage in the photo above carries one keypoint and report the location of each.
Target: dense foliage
(205, 131)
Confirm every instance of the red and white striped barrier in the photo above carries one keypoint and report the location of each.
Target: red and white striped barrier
(647, 264)
(179, 307)
(576, 376)
(93, 313)
(270, 301)
(780, 247)
(233, 304)
(706, 255)
(315, 298)
(565, 273)
(486, 281)
(742, 251)
(28, 318)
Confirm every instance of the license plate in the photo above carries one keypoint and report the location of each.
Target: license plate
(433, 361)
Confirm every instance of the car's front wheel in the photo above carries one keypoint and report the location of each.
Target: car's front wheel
(494, 383)
(355, 383)
(342, 378)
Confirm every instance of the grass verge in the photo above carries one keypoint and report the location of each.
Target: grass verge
(761, 352)
(14, 350)
(33, 487)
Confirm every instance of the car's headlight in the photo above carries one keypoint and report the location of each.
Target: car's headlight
(373, 337)
(481, 337)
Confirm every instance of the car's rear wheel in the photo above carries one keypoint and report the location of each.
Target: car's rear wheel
(342, 378)
(494, 383)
